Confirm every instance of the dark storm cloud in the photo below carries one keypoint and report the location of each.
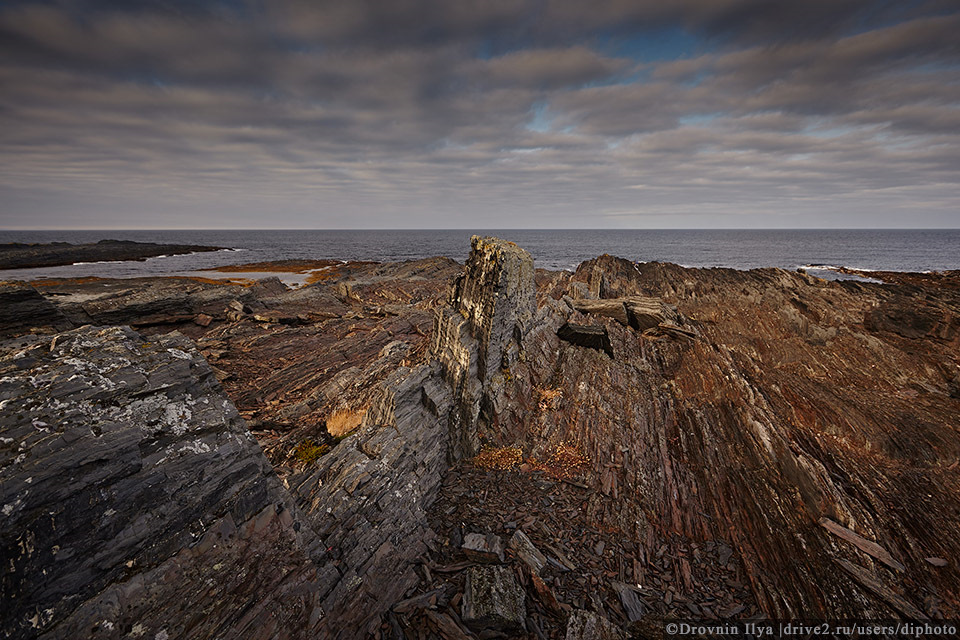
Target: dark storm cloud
(505, 112)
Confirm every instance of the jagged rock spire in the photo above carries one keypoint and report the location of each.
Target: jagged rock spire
(477, 336)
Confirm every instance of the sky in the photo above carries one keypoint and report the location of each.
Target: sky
(352, 114)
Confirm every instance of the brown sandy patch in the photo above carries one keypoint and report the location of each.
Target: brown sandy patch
(334, 270)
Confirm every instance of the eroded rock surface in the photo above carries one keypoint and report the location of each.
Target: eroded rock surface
(477, 335)
(719, 440)
(795, 403)
(135, 501)
(493, 599)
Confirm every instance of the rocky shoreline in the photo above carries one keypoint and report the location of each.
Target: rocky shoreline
(430, 449)
(29, 256)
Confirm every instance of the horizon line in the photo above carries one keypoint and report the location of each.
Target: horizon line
(394, 229)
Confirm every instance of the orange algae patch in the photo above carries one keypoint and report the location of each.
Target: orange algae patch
(549, 399)
(502, 458)
(320, 276)
(565, 462)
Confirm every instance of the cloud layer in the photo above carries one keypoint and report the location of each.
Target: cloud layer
(505, 113)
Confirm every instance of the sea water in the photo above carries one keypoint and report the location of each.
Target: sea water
(818, 250)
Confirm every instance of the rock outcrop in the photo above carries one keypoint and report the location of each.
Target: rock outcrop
(164, 303)
(493, 599)
(772, 430)
(477, 336)
(26, 256)
(136, 502)
(761, 427)
(367, 500)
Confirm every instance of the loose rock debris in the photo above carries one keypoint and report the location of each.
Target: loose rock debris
(589, 578)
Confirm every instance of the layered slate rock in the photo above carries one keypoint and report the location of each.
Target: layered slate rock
(349, 549)
(288, 359)
(638, 312)
(23, 309)
(367, 499)
(477, 336)
(135, 501)
(780, 401)
(773, 444)
(155, 302)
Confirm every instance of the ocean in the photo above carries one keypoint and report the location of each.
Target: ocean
(888, 250)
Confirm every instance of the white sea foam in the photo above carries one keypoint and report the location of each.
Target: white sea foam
(842, 272)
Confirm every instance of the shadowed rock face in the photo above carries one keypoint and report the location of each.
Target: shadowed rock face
(23, 308)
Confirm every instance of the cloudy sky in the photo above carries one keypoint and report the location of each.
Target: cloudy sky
(479, 114)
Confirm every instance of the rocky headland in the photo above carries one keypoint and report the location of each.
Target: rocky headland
(435, 450)
(18, 255)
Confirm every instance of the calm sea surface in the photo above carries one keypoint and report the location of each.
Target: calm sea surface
(892, 250)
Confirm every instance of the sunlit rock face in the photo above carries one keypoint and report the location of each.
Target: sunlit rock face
(368, 498)
(477, 336)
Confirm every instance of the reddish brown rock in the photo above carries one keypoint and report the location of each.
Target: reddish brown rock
(693, 461)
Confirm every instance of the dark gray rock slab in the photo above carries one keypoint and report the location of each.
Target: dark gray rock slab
(483, 547)
(594, 336)
(521, 545)
(23, 308)
(493, 599)
(135, 500)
